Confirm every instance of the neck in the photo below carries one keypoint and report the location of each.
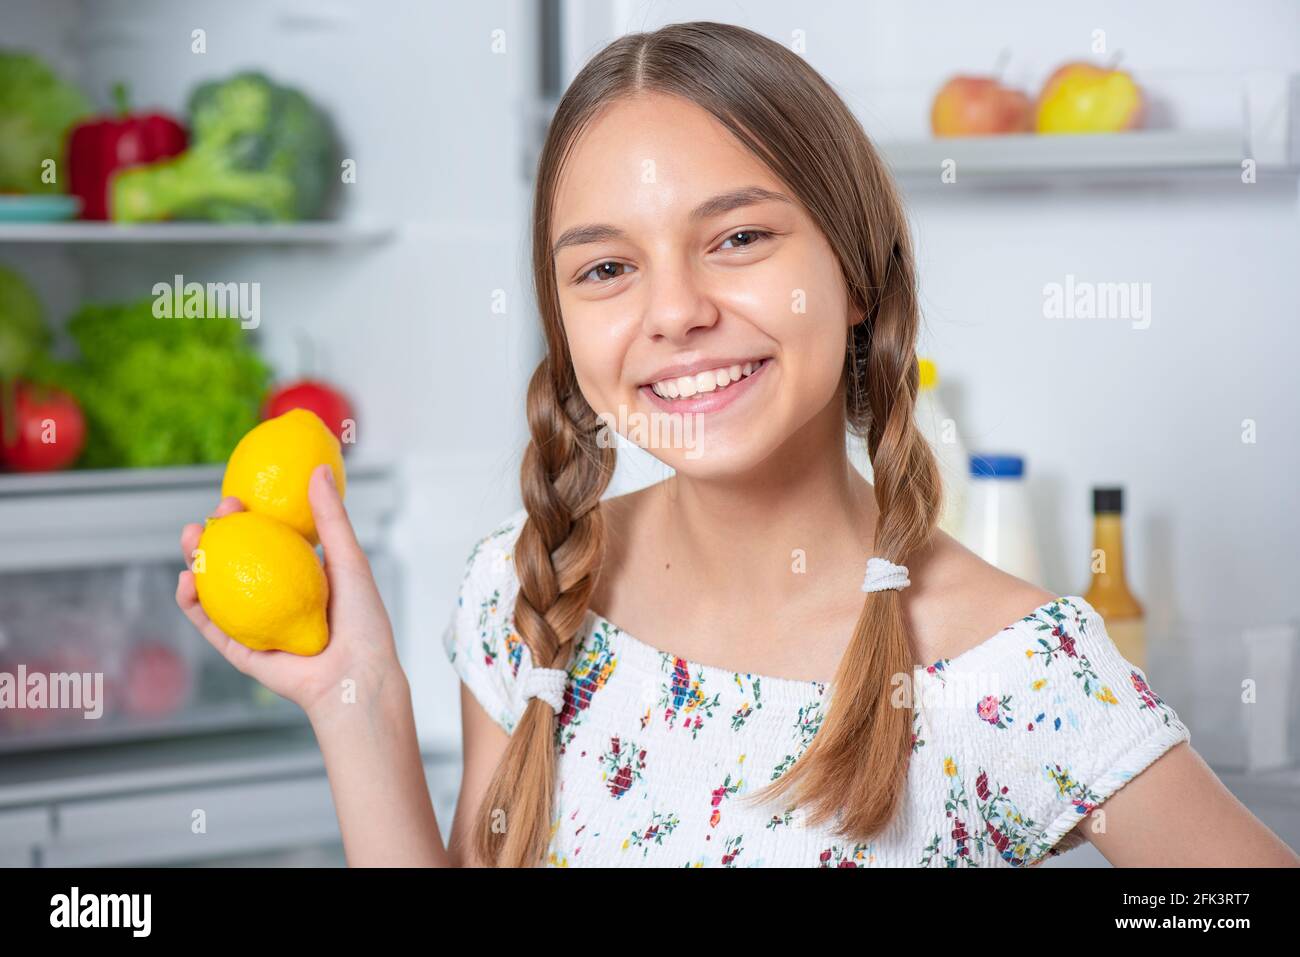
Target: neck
(746, 537)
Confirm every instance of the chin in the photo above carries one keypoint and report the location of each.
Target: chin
(713, 458)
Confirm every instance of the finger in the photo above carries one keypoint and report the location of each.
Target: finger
(332, 524)
(188, 599)
(190, 535)
(226, 506)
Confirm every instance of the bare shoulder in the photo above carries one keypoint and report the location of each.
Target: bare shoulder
(958, 600)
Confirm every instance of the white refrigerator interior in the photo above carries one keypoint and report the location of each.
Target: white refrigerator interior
(418, 301)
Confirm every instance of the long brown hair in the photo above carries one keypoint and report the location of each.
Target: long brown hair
(780, 109)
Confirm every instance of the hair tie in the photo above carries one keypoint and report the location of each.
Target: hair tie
(547, 684)
(884, 575)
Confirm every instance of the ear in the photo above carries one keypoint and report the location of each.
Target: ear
(855, 313)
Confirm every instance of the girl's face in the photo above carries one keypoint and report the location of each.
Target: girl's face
(696, 292)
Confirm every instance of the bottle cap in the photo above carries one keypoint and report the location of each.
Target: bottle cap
(996, 466)
(1109, 500)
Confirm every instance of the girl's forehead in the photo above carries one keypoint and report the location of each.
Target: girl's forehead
(652, 154)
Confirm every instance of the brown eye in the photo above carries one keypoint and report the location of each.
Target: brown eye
(743, 238)
(604, 271)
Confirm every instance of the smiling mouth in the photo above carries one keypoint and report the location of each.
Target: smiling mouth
(708, 381)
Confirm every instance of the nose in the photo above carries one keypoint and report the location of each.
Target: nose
(676, 304)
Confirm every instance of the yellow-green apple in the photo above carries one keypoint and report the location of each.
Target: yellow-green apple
(1085, 98)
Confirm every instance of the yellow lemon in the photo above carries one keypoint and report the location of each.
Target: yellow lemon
(261, 583)
(272, 464)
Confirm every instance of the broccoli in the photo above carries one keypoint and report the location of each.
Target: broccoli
(37, 109)
(259, 152)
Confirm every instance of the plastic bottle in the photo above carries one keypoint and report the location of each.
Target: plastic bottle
(940, 430)
(1109, 592)
(999, 525)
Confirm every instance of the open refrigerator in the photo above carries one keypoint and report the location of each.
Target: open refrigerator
(384, 294)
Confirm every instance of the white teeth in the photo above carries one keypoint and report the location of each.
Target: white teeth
(708, 381)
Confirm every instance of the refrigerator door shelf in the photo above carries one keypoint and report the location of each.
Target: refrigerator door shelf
(125, 516)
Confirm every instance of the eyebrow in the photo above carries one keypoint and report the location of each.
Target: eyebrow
(715, 206)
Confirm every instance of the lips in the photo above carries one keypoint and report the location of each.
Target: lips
(704, 380)
(707, 399)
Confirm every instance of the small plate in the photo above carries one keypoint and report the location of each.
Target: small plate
(38, 209)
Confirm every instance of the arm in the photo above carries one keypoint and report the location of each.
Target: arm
(378, 783)
(355, 695)
(1177, 813)
(377, 778)
(484, 744)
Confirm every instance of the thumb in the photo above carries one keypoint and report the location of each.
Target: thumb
(332, 524)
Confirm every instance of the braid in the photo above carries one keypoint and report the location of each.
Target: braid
(855, 768)
(557, 560)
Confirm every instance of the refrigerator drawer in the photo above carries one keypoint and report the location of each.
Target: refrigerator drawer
(192, 824)
(22, 830)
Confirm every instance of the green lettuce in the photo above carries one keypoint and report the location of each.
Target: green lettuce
(159, 392)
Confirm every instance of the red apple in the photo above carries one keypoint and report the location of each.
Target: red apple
(980, 106)
(327, 402)
(46, 430)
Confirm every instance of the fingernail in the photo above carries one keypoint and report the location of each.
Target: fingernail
(329, 476)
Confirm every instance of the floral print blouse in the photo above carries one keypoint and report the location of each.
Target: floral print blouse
(1014, 741)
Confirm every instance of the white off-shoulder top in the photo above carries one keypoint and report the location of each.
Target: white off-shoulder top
(1014, 741)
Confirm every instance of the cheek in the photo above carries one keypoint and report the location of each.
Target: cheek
(598, 338)
(799, 302)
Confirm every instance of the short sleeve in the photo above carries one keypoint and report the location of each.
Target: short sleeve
(1066, 723)
(480, 639)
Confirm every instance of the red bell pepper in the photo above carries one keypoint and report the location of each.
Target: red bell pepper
(99, 147)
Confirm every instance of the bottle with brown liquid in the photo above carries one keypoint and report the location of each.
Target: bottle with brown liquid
(1109, 592)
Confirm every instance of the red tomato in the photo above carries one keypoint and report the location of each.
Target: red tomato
(327, 402)
(47, 430)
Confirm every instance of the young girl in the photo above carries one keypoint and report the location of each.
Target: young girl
(763, 660)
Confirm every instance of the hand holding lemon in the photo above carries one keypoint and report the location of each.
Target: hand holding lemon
(255, 584)
(261, 583)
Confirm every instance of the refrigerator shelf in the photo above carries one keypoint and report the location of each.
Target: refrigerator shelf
(205, 719)
(83, 519)
(219, 234)
(1011, 158)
